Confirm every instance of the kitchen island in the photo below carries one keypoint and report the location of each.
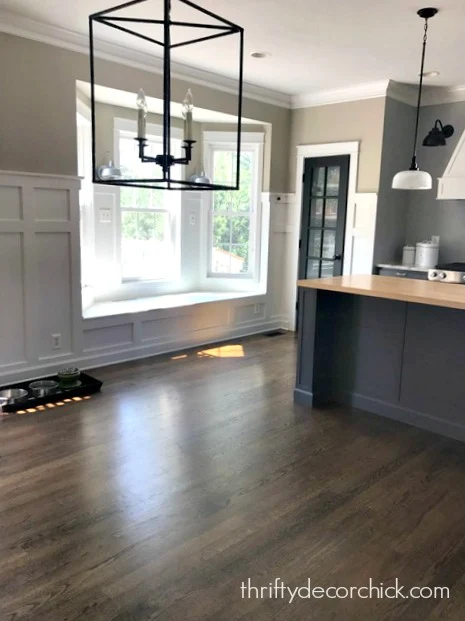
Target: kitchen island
(391, 346)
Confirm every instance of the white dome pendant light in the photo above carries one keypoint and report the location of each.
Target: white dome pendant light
(414, 178)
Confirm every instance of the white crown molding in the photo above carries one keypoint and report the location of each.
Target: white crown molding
(435, 95)
(369, 90)
(18, 25)
(431, 96)
(405, 93)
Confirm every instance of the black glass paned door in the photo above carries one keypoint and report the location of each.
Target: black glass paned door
(324, 210)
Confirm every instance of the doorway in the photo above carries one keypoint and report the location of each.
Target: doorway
(323, 219)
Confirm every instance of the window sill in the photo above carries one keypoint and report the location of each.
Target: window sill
(177, 300)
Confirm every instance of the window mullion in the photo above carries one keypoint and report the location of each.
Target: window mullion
(241, 223)
(145, 235)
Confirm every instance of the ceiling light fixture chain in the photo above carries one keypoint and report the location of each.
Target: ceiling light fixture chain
(414, 165)
(414, 178)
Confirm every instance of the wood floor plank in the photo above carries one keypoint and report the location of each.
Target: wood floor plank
(192, 472)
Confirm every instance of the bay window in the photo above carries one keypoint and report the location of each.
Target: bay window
(149, 218)
(234, 216)
(143, 243)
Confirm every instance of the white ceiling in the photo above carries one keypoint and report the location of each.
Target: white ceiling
(315, 45)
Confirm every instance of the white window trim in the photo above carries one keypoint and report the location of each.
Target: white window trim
(84, 110)
(142, 287)
(231, 137)
(86, 195)
(226, 140)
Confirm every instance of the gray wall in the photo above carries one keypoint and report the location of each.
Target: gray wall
(38, 107)
(393, 205)
(427, 216)
(343, 122)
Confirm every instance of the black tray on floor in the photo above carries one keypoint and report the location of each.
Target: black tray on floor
(89, 385)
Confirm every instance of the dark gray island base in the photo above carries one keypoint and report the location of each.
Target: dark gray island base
(397, 351)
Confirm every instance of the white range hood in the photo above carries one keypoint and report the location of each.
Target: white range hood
(452, 184)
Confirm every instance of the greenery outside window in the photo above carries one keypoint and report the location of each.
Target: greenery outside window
(233, 216)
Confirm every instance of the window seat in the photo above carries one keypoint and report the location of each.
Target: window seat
(177, 300)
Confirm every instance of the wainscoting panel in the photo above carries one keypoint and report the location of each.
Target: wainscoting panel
(210, 316)
(11, 203)
(39, 258)
(51, 204)
(107, 337)
(41, 324)
(360, 235)
(52, 310)
(249, 314)
(162, 329)
(12, 308)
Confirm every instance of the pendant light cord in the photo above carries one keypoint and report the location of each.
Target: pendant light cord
(414, 165)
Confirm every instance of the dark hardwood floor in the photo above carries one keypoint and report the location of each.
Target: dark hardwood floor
(188, 475)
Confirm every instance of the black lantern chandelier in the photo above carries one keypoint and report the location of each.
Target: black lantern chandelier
(132, 19)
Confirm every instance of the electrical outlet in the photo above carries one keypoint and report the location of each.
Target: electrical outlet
(256, 309)
(56, 341)
(192, 218)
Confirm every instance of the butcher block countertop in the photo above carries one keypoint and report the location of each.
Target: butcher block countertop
(391, 288)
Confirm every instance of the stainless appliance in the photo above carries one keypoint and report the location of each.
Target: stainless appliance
(448, 272)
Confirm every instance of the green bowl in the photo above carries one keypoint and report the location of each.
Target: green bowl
(68, 376)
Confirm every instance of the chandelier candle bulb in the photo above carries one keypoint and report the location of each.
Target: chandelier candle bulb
(187, 109)
(141, 114)
(188, 126)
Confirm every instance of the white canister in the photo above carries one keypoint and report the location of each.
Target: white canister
(427, 254)
(408, 255)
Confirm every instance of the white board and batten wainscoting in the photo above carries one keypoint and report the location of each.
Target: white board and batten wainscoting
(40, 288)
(360, 219)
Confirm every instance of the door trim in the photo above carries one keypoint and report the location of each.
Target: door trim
(322, 150)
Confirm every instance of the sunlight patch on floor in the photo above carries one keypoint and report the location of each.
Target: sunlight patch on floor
(224, 351)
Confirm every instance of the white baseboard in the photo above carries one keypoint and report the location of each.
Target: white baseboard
(130, 353)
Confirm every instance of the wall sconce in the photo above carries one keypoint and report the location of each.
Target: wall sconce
(438, 135)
